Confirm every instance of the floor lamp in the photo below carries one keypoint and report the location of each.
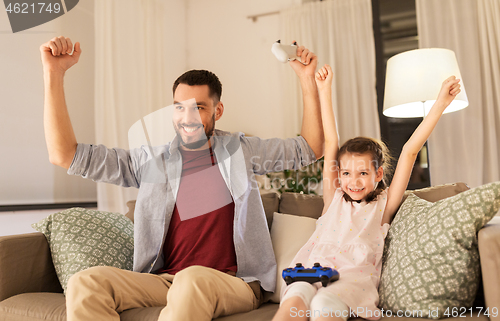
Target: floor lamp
(413, 81)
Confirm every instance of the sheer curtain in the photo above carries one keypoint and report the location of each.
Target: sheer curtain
(465, 144)
(340, 32)
(133, 55)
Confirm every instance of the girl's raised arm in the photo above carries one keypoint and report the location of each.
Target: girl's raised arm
(323, 79)
(449, 90)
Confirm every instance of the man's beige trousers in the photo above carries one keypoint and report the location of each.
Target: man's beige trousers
(196, 293)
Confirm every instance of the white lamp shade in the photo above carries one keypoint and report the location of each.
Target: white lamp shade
(414, 79)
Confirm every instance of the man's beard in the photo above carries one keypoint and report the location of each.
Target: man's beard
(209, 131)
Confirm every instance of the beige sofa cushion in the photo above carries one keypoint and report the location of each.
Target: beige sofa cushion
(288, 234)
(34, 306)
(301, 204)
(438, 192)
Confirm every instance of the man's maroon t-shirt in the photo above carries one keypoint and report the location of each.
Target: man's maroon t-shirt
(201, 227)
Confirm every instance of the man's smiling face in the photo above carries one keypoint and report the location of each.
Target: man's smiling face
(194, 115)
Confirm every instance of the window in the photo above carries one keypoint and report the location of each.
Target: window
(395, 30)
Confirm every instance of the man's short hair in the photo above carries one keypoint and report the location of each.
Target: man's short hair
(199, 78)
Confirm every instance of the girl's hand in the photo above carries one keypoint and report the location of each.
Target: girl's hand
(324, 78)
(449, 90)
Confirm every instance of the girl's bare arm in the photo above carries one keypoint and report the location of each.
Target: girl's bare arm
(324, 78)
(449, 91)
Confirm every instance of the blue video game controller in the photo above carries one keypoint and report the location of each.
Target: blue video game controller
(315, 274)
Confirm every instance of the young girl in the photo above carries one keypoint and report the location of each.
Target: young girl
(358, 209)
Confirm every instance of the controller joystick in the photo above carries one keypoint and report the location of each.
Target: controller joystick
(284, 53)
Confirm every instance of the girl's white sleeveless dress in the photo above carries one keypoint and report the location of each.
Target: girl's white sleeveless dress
(349, 238)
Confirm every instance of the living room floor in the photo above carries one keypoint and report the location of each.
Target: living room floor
(19, 222)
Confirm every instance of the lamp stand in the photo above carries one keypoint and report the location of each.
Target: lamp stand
(426, 144)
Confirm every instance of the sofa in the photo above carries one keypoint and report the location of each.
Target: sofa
(30, 290)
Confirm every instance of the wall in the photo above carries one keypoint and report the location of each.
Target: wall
(27, 176)
(147, 42)
(222, 39)
(218, 36)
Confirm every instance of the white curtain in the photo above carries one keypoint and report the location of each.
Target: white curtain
(465, 146)
(131, 57)
(340, 32)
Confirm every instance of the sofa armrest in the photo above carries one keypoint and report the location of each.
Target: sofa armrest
(26, 265)
(489, 252)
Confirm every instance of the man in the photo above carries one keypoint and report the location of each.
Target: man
(201, 237)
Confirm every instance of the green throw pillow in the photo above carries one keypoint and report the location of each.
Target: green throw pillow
(80, 238)
(431, 259)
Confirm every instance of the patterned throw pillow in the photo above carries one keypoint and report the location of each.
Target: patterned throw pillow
(80, 238)
(431, 259)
